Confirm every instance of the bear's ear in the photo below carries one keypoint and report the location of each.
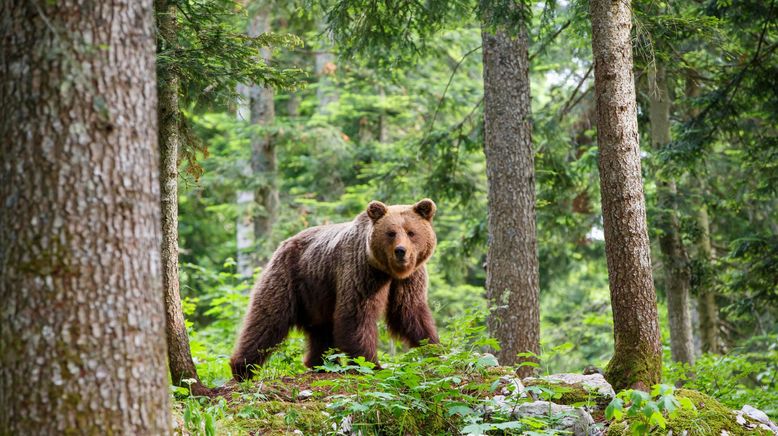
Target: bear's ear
(426, 208)
(375, 210)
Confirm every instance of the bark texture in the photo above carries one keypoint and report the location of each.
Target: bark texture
(512, 264)
(677, 274)
(263, 150)
(82, 319)
(179, 354)
(637, 355)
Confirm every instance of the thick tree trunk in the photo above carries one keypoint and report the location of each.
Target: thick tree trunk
(263, 150)
(179, 355)
(83, 349)
(512, 262)
(637, 356)
(674, 258)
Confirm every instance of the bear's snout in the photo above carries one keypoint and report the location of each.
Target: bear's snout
(399, 253)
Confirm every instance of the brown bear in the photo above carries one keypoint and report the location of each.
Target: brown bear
(335, 281)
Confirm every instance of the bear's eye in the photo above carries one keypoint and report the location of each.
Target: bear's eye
(410, 234)
(391, 234)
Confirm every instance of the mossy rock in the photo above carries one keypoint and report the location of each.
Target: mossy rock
(572, 394)
(710, 418)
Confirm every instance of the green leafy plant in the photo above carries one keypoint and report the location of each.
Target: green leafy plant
(200, 415)
(433, 389)
(739, 377)
(647, 411)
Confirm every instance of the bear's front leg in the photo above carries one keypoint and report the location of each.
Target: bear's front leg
(355, 331)
(407, 314)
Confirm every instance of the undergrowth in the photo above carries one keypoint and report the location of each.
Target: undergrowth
(453, 388)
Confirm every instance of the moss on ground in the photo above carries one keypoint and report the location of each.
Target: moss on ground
(571, 394)
(639, 368)
(274, 418)
(710, 418)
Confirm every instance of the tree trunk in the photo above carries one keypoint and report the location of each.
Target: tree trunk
(293, 105)
(706, 300)
(674, 257)
(82, 319)
(637, 355)
(244, 226)
(179, 354)
(325, 68)
(263, 150)
(706, 297)
(512, 262)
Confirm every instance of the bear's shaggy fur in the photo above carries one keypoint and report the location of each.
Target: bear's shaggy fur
(335, 281)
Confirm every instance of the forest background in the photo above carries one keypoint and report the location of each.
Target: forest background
(530, 125)
(396, 114)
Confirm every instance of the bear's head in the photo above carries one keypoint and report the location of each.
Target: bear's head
(402, 237)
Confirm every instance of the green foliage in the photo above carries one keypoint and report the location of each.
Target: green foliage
(430, 390)
(753, 273)
(200, 415)
(213, 53)
(433, 389)
(407, 123)
(742, 376)
(647, 411)
(706, 416)
(384, 30)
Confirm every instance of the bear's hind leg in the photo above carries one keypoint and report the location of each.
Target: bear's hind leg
(319, 341)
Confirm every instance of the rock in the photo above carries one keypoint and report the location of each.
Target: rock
(590, 382)
(566, 418)
(344, 428)
(304, 394)
(761, 418)
(511, 386)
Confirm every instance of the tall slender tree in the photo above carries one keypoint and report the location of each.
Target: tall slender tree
(182, 368)
(512, 264)
(675, 260)
(263, 149)
(245, 199)
(637, 355)
(324, 62)
(706, 297)
(83, 349)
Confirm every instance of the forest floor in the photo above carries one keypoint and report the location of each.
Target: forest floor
(443, 396)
